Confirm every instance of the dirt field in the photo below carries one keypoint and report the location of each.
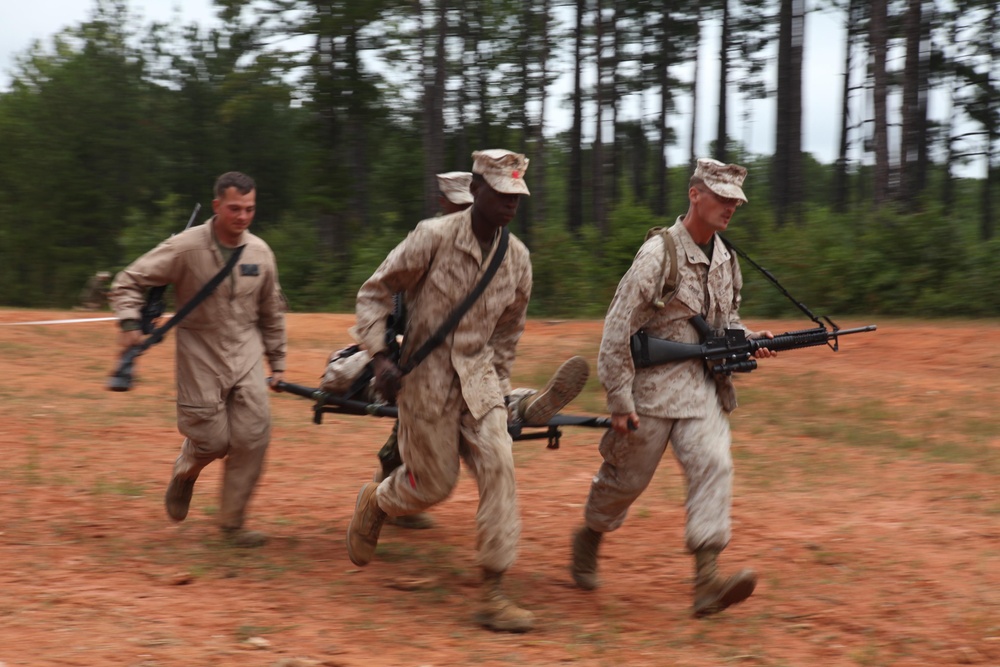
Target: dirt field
(867, 498)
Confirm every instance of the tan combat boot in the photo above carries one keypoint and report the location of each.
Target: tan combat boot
(418, 521)
(498, 612)
(178, 496)
(584, 568)
(243, 538)
(712, 593)
(366, 524)
(563, 387)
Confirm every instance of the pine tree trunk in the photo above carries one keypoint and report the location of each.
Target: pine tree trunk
(597, 151)
(693, 146)
(786, 182)
(840, 168)
(909, 150)
(877, 39)
(721, 135)
(576, 134)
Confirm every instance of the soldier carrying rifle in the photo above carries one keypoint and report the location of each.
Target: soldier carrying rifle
(677, 274)
(222, 403)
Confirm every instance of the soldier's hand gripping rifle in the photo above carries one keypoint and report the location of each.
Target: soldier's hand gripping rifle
(730, 351)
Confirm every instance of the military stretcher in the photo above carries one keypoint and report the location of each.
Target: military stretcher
(325, 402)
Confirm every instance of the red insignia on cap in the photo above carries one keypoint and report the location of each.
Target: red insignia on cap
(514, 174)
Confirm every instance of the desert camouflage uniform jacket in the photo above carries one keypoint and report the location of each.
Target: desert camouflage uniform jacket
(436, 266)
(684, 389)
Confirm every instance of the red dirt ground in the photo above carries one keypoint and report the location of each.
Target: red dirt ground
(866, 497)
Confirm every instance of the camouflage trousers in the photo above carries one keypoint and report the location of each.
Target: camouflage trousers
(702, 449)
(431, 450)
(389, 456)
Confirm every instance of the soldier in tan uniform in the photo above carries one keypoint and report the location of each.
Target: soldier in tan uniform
(222, 404)
(454, 191)
(451, 406)
(680, 403)
(524, 405)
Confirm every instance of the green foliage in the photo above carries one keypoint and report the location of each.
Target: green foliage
(111, 134)
(629, 225)
(143, 232)
(922, 264)
(565, 282)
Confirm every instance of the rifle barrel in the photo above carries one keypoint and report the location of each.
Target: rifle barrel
(844, 332)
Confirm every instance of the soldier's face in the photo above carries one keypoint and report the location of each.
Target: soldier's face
(714, 209)
(234, 212)
(496, 207)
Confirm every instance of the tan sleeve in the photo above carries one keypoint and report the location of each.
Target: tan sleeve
(630, 309)
(510, 327)
(272, 318)
(403, 267)
(159, 266)
(734, 317)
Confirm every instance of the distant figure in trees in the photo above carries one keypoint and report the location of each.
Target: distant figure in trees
(95, 294)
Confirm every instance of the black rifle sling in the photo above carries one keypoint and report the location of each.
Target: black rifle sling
(774, 281)
(456, 315)
(157, 335)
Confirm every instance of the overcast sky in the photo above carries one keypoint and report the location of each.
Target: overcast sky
(24, 21)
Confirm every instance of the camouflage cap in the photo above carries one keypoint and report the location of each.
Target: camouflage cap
(454, 185)
(502, 169)
(725, 180)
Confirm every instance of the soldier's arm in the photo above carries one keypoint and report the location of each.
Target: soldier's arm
(629, 311)
(272, 318)
(509, 329)
(159, 266)
(403, 267)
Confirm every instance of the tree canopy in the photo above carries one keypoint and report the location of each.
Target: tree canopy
(344, 111)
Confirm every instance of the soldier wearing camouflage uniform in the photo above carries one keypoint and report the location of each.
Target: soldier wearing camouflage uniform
(451, 406)
(524, 405)
(681, 403)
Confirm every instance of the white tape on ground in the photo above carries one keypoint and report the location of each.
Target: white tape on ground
(82, 319)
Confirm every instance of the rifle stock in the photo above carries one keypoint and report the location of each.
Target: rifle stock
(121, 378)
(730, 352)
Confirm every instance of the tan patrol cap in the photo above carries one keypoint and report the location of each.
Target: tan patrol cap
(454, 185)
(725, 180)
(502, 169)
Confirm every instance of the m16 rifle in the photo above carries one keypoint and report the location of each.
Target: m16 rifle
(730, 351)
